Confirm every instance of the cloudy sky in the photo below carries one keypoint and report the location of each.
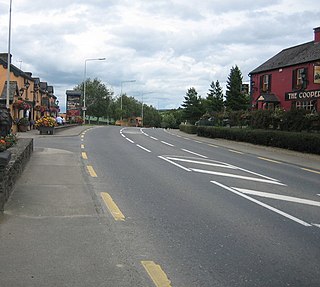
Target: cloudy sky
(166, 46)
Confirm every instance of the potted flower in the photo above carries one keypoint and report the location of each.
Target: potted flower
(23, 124)
(46, 125)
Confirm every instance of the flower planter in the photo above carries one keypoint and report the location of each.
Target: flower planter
(22, 128)
(46, 130)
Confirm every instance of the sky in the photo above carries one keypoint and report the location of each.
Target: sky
(164, 46)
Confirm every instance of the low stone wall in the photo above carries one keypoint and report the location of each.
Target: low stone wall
(20, 155)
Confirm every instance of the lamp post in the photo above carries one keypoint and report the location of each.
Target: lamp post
(9, 60)
(84, 85)
(130, 81)
(142, 105)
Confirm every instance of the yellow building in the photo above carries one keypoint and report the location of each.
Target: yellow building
(29, 98)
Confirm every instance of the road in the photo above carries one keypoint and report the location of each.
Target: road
(204, 215)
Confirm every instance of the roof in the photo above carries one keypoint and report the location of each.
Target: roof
(270, 98)
(308, 52)
(73, 93)
(13, 90)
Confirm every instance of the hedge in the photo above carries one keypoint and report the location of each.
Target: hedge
(298, 141)
(187, 128)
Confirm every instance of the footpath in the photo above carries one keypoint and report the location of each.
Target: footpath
(311, 161)
(53, 231)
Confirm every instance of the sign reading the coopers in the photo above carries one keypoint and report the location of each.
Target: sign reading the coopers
(303, 95)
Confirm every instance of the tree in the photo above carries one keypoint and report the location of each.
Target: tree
(214, 100)
(235, 99)
(98, 98)
(151, 117)
(193, 106)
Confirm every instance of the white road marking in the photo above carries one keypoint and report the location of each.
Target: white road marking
(317, 225)
(235, 151)
(176, 164)
(236, 176)
(123, 135)
(169, 144)
(200, 155)
(154, 138)
(198, 142)
(129, 140)
(263, 204)
(203, 162)
(212, 145)
(145, 149)
(258, 174)
(318, 194)
(278, 196)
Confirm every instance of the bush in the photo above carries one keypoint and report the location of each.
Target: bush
(187, 128)
(303, 142)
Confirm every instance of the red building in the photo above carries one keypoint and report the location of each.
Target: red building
(290, 79)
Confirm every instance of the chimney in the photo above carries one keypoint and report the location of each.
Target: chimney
(4, 57)
(317, 35)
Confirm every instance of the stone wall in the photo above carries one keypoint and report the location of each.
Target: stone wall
(9, 174)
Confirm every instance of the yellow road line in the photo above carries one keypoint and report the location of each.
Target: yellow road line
(156, 273)
(235, 151)
(82, 146)
(268, 159)
(311, 170)
(84, 155)
(113, 208)
(91, 171)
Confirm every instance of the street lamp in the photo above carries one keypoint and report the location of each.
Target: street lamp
(130, 81)
(84, 85)
(142, 105)
(9, 60)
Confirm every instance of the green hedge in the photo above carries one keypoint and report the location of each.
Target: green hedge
(189, 129)
(303, 142)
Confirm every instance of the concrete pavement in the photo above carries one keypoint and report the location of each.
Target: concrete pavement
(305, 160)
(53, 231)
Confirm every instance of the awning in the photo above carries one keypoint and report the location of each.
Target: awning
(268, 98)
(13, 90)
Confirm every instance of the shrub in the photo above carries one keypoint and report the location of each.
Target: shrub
(187, 128)
(303, 142)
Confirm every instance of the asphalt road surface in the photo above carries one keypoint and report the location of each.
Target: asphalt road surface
(194, 214)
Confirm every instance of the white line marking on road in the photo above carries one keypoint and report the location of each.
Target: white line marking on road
(123, 135)
(235, 151)
(200, 155)
(258, 174)
(236, 176)
(278, 196)
(154, 138)
(178, 136)
(268, 159)
(317, 225)
(198, 142)
(176, 164)
(145, 149)
(212, 145)
(169, 144)
(311, 170)
(263, 204)
(203, 162)
(318, 194)
(129, 140)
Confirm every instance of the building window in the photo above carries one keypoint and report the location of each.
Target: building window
(265, 83)
(309, 106)
(299, 79)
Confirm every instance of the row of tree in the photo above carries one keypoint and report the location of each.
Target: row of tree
(236, 98)
(101, 102)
